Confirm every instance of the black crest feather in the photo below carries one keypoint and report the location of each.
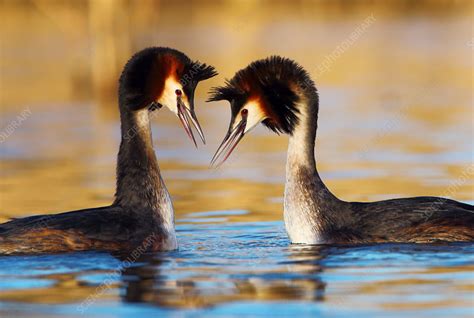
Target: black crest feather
(202, 71)
(228, 92)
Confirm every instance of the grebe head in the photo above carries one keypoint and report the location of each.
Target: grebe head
(157, 77)
(268, 91)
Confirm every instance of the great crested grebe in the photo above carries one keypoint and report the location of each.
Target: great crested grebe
(142, 214)
(279, 93)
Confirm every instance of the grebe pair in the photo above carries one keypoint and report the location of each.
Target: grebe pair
(275, 91)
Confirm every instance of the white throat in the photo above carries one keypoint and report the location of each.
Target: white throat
(165, 204)
(301, 142)
(300, 208)
(167, 213)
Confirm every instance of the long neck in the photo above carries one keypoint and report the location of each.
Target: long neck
(301, 162)
(308, 201)
(140, 187)
(301, 142)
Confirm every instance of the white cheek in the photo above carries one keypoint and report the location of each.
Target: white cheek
(255, 115)
(168, 98)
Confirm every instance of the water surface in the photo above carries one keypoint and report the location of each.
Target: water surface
(243, 269)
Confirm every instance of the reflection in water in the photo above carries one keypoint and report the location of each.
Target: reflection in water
(296, 279)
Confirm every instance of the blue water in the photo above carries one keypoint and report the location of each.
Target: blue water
(243, 270)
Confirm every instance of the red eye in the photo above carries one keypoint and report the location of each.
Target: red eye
(178, 92)
(244, 112)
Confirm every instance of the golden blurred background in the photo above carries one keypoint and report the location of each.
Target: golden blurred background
(396, 114)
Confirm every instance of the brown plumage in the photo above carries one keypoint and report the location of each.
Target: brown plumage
(90, 229)
(142, 214)
(280, 94)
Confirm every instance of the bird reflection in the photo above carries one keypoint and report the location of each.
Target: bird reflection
(296, 278)
(144, 283)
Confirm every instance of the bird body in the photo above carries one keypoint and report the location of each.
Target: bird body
(110, 228)
(280, 94)
(142, 211)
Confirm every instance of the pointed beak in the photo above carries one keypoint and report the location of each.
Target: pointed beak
(187, 116)
(229, 143)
